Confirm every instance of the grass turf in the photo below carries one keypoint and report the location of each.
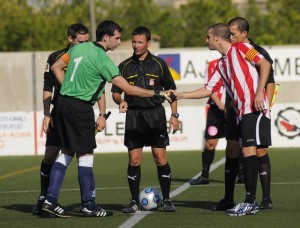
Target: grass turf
(19, 189)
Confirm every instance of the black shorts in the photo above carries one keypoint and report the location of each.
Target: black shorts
(232, 128)
(52, 137)
(215, 123)
(146, 127)
(76, 125)
(256, 130)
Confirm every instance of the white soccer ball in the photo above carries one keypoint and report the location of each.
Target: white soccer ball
(150, 199)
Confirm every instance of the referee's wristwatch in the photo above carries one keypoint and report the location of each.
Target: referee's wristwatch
(175, 114)
(105, 115)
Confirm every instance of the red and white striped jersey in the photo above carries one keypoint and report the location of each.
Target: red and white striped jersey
(209, 71)
(240, 77)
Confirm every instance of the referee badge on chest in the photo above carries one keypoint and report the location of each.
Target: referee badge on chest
(152, 82)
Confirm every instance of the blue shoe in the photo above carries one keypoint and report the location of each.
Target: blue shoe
(242, 209)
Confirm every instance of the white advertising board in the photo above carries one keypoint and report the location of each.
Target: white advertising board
(17, 134)
(286, 125)
(188, 65)
(192, 121)
(21, 132)
(286, 62)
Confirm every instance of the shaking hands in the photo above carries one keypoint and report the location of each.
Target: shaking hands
(168, 95)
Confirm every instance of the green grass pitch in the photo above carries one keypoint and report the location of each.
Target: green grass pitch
(19, 189)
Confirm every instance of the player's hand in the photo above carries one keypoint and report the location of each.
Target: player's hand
(46, 123)
(123, 106)
(165, 94)
(259, 101)
(174, 124)
(100, 124)
(174, 95)
(221, 106)
(169, 96)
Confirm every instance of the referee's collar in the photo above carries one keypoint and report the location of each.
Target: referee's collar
(98, 45)
(135, 58)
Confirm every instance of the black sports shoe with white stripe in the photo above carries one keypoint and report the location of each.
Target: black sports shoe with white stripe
(98, 212)
(132, 207)
(54, 209)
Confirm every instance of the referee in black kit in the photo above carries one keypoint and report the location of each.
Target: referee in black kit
(146, 123)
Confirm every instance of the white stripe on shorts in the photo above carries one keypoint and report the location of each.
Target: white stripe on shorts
(257, 128)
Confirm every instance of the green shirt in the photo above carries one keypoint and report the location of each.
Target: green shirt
(89, 68)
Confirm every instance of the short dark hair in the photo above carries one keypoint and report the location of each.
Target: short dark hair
(142, 30)
(107, 27)
(241, 23)
(222, 30)
(75, 29)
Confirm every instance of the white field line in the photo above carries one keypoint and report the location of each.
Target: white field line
(118, 188)
(139, 216)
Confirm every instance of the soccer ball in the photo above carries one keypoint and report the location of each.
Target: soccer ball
(150, 198)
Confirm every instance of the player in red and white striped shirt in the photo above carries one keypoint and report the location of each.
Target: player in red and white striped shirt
(237, 72)
(241, 79)
(239, 29)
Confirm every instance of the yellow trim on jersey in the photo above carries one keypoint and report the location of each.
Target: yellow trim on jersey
(133, 76)
(159, 65)
(152, 75)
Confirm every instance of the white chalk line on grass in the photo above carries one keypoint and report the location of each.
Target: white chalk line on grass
(118, 188)
(132, 221)
(139, 216)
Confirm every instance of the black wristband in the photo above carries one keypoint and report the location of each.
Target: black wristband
(157, 93)
(105, 115)
(175, 114)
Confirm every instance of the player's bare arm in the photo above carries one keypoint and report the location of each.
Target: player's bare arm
(173, 121)
(101, 120)
(58, 69)
(120, 82)
(117, 97)
(47, 117)
(217, 101)
(264, 70)
(196, 94)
